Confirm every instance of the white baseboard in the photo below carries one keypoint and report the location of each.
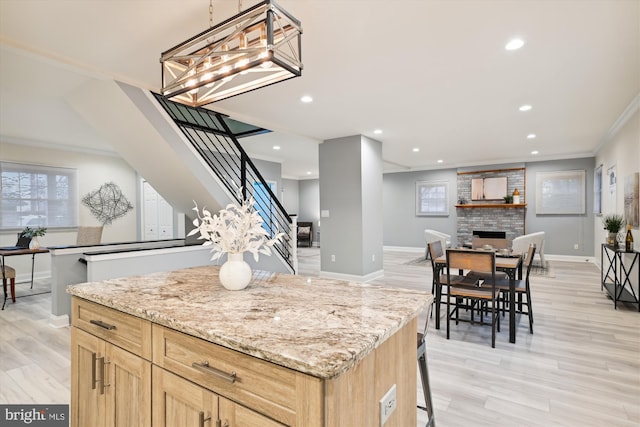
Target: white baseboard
(404, 249)
(352, 277)
(570, 258)
(59, 321)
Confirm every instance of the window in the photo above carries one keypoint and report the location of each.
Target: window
(561, 192)
(37, 196)
(432, 198)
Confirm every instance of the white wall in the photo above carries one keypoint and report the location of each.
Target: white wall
(623, 151)
(93, 171)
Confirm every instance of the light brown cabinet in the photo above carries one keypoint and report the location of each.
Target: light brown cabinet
(127, 371)
(181, 403)
(110, 386)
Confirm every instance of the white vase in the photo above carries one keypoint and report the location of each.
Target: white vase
(34, 243)
(235, 274)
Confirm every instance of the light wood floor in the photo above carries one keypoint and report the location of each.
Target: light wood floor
(580, 368)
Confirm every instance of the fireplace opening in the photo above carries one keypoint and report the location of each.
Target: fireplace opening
(490, 234)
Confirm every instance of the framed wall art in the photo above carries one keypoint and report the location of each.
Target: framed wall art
(632, 199)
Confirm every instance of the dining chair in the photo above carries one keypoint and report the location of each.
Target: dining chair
(477, 297)
(424, 372)
(481, 242)
(9, 274)
(436, 251)
(522, 287)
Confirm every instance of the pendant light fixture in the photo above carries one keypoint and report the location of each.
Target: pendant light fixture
(255, 48)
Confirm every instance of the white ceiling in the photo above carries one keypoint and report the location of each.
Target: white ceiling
(432, 75)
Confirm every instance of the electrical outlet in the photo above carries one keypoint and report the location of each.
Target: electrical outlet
(575, 246)
(333, 258)
(388, 404)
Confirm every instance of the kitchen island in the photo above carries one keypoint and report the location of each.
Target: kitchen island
(177, 349)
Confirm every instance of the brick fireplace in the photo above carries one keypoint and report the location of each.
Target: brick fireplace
(494, 215)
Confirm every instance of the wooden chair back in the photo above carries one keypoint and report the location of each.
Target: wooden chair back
(528, 261)
(89, 235)
(435, 250)
(479, 242)
(483, 262)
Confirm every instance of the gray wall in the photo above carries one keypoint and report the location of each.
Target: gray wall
(350, 176)
(401, 225)
(372, 203)
(309, 205)
(270, 171)
(288, 195)
(402, 228)
(562, 231)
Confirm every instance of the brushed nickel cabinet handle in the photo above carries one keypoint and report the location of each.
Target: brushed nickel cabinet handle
(102, 324)
(105, 375)
(202, 419)
(94, 359)
(100, 361)
(204, 367)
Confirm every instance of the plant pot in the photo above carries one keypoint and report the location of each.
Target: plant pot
(235, 274)
(611, 239)
(34, 243)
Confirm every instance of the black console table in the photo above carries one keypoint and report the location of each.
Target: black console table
(615, 274)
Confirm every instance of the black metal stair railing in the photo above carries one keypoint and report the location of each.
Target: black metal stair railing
(212, 138)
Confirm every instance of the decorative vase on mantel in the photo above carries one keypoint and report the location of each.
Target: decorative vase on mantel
(235, 273)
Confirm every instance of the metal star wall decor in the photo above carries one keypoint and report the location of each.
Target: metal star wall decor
(107, 203)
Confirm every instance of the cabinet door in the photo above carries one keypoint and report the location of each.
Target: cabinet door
(128, 389)
(87, 398)
(180, 403)
(234, 415)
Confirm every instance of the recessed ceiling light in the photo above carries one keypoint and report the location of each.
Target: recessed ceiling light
(276, 147)
(534, 152)
(415, 150)
(440, 161)
(514, 44)
(308, 172)
(531, 136)
(525, 107)
(306, 99)
(377, 131)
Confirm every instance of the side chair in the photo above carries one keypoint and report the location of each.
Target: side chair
(522, 287)
(436, 251)
(477, 297)
(424, 372)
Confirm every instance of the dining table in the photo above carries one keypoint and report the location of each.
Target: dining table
(13, 252)
(509, 263)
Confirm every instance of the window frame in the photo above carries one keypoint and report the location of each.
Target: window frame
(69, 210)
(419, 199)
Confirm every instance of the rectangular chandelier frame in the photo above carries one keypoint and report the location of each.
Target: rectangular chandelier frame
(255, 48)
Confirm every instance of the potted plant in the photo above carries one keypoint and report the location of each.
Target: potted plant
(508, 199)
(613, 224)
(33, 234)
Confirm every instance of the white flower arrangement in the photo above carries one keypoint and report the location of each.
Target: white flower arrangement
(236, 229)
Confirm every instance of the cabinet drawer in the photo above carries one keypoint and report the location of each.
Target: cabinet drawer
(280, 393)
(128, 332)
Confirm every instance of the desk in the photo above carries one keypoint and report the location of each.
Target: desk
(616, 278)
(5, 253)
(510, 265)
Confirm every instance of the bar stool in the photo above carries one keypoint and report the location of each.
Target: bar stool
(424, 373)
(10, 273)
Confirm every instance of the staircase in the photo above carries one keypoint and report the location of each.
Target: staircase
(211, 136)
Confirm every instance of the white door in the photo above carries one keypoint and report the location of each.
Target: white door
(157, 215)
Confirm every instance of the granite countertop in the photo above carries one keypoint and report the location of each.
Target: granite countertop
(318, 326)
